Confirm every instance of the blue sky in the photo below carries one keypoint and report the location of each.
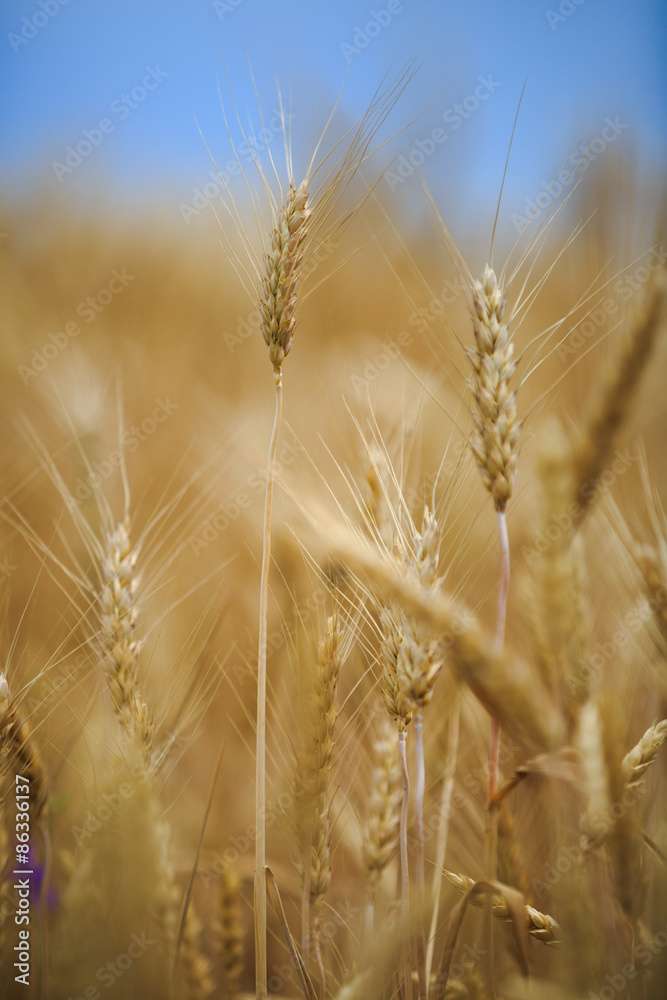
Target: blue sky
(65, 68)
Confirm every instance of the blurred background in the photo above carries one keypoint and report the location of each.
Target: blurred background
(130, 337)
(66, 67)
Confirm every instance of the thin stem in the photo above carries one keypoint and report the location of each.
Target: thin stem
(494, 744)
(260, 786)
(318, 955)
(305, 912)
(405, 878)
(419, 834)
(445, 813)
(504, 581)
(369, 918)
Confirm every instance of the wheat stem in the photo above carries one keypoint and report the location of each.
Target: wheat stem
(419, 862)
(441, 849)
(405, 877)
(260, 783)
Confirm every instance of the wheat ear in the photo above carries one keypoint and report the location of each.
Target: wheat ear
(540, 925)
(118, 619)
(278, 318)
(637, 761)
(615, 399)
(381, 834)
(193, 972)
(324, 717)
(229, 933)
(495, 440)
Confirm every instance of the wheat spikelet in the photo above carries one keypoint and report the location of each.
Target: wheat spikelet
(616, 397)
(118, 618)
(229, 933)
(193, 972)
(495, 439)
(324, 722)
(382, 823)
(540, 925)
(281, 278)
(637, 761)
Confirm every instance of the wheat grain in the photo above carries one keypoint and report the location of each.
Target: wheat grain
(495, 440)
(540, 925)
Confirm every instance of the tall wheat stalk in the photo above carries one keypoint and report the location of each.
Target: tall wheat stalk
(278, 312)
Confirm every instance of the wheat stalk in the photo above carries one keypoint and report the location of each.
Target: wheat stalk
(278, 318)
(615, 398)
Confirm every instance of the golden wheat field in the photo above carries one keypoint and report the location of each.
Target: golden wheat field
(397, 732)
